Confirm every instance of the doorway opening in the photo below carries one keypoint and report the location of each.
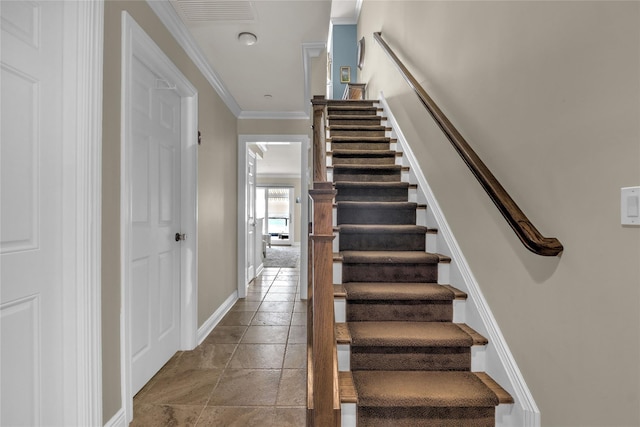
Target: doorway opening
(280, 211)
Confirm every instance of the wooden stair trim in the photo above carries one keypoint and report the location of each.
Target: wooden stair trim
(503, 395)
(444, 259)
(339, 291)
(348, 393)
(477, 338)
(343, 335)
(457, 293)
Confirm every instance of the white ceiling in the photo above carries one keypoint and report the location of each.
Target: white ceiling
(289, 32)
(280, 161)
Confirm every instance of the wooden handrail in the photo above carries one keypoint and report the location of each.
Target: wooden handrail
(524, 229)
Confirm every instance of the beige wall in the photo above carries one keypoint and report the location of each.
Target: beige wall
(274, 127)
(217, 199)
(548, 95)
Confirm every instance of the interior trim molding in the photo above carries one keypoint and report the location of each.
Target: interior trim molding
(506, 368)
(216, 317)
(169, 17)
(118, 420)
(82, 211)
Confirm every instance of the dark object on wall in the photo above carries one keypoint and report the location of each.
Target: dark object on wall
(361, 53)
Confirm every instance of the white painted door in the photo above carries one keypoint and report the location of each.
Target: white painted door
(155, 252)
(31, 239)
(251, 215)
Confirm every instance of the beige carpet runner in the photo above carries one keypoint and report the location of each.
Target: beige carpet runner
(410, 364)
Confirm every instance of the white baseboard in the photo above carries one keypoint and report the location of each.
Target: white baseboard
(118, 420)
(502, 365)
(216, 317)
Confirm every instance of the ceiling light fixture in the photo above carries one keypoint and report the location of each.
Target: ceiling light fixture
(247, 38)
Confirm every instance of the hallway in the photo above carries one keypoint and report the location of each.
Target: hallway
(249, 371)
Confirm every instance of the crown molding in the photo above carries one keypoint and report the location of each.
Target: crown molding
(169, 17)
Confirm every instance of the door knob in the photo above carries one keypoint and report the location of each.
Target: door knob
(180, 237)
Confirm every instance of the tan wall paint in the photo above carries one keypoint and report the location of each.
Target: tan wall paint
(273, 127)
(217, 198)
(548, 94)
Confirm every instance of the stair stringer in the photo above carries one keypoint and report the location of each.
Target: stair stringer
(498, 361)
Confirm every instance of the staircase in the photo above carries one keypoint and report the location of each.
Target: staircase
(408, 364)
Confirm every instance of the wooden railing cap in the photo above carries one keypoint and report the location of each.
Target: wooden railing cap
(524, 229)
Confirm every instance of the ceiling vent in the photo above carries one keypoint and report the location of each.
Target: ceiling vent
(215, 10)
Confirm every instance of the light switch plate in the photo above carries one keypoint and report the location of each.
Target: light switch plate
(630, 206)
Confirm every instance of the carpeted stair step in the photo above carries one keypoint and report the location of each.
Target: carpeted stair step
(413, 302)
(352, 109)
(411, 346)
(389, 266)
(376, 212)
(359, 143)
(382, 237)
(355, 120)
(425, 398)
(357, 130)
(372, 191)
(367, 157)
(367, 173)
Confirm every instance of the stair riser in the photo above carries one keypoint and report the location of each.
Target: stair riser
(425, 417)
(373, 195)
(389, 273)
(360, 145)
(358, 132)
(355, 215)
(353, 112)
(366, 176)
(382, 242)
(373, 121)
(410, 358)
(363, 160)
(419, 311)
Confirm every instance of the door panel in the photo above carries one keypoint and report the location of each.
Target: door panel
(31, 238)
(155, 254)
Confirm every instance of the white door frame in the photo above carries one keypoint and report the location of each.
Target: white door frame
(82, 212)
(243, 143)
(135, 42)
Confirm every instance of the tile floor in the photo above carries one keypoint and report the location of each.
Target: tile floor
(250, 371)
